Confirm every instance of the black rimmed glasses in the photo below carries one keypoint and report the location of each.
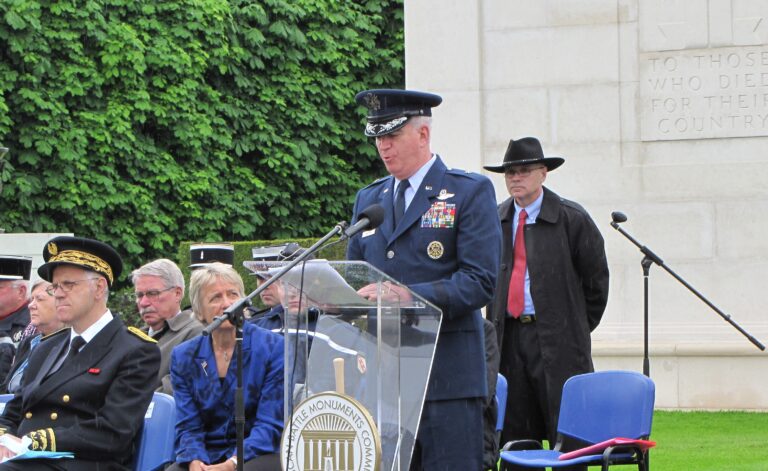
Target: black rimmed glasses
(522, 171)
(152, 295)
(66, 286)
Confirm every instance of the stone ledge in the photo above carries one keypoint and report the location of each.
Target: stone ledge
(605, 349)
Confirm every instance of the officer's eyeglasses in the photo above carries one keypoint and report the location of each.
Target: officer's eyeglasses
(151, 295)
(522, 171)
(66, 286)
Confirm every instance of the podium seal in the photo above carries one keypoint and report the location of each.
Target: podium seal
(330, 432)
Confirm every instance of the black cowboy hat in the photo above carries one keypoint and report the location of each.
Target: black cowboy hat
(525, 151)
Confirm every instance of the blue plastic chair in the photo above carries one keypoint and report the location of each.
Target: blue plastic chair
(595, 407)
(501, 403)
(157, 437)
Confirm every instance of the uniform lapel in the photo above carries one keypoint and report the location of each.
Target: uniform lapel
(422, 200)
(386, 200)
(57, 350)
(90, 356)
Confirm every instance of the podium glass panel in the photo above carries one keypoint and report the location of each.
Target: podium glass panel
(377, 351)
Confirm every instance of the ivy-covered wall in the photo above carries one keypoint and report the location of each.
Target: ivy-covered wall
(145, 123)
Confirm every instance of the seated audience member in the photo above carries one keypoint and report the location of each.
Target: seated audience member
(272, 316)
(86, 388)
(159, 289)
(203, 373)
(14, 313)
(42, 316)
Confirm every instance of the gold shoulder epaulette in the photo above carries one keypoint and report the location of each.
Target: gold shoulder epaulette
(53, 334)
(140, 334)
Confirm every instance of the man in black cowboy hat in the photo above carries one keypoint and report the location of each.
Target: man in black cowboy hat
(440, 237)
(92, 383)
(551, 291)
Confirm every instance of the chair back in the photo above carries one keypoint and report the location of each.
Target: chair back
(501, 400)
(157, 436)
(607, 404)
(4, 398)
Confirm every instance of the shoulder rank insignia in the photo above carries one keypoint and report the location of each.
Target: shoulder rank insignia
(53, 334)
(138, 333)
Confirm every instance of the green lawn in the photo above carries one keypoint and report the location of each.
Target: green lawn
(733, 441)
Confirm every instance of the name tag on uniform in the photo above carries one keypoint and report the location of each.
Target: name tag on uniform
(441, 215)
(369, 232)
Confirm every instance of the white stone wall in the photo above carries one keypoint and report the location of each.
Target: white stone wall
(632, 94)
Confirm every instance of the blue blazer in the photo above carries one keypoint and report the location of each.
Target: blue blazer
(446, 249)
(205, 408)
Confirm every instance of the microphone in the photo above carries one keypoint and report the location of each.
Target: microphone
(369, 218)
(618, 216)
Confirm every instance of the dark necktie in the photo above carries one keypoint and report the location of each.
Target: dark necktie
(516, 296)
(400, 200)
(75, 346)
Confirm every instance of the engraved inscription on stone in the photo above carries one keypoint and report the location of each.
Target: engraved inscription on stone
(704, 93)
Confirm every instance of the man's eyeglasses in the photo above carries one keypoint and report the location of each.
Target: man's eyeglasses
(522, 171)
(66, 286)
(152, 295)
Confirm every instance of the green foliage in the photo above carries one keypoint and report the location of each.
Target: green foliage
(145, 124)
(122, 302)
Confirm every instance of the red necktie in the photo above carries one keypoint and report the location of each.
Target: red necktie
(516, 296)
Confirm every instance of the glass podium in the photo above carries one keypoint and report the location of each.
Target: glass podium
(376, 350)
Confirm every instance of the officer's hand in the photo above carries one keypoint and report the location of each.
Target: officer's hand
(5, 452)
(228, 465)
(390, 292)
(197, 465)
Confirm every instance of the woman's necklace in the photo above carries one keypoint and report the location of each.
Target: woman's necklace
(224, 353)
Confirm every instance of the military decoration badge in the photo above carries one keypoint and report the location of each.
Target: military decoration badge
(440, 215)
(435, 250)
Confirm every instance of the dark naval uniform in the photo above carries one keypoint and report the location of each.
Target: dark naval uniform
(11, 331)
(93, 405)
(446, 248)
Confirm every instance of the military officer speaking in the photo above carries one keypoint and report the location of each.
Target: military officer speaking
(86, 388)
(440, 237)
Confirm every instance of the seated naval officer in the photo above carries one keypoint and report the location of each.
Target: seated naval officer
(271, 317)
(14, 311)
(90, 384)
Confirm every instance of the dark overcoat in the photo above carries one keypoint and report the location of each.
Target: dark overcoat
(569, 285)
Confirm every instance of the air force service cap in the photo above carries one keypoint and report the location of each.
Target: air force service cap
(84, 253)
(390, 109)
(14, 267)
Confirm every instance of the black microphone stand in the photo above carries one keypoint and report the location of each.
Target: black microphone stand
(649, 259)
(234, 314)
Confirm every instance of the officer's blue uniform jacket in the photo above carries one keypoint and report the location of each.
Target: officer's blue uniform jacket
(447, 250)
(271, 320)
(205, 408)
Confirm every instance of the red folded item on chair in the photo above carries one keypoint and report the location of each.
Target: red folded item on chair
(599, 447)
